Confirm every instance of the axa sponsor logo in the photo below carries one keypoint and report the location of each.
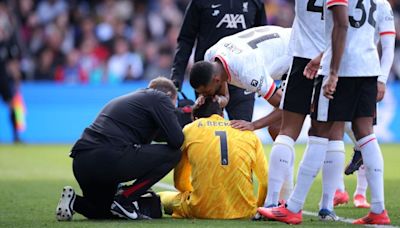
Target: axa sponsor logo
(232, 21)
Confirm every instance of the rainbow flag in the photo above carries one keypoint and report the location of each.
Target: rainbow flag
(20, 111)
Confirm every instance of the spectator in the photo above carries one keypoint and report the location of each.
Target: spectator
(124, 65)
(162, 64)
(93, 59)
(72, 72)
(46, 68)
(64, 25)
(48, 10)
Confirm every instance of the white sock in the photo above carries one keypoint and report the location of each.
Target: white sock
(373, 163)
(332, 173)
(362, 183)
(313, 160)
(280, 161)
(340, 183)
(341, 186)
(287, 187)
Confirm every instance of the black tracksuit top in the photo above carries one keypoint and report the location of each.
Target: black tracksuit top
(207, 21)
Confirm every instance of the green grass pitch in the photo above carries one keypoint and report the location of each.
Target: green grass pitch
(31, 179)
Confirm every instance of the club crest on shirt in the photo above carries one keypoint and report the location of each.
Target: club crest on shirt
(215, 13)
(245, 7)
(254, 83)
(215, 10)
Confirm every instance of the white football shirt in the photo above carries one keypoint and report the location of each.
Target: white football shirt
(386, 33)
(254, 58)
(360, 57)
(307, 39)
(385, 21)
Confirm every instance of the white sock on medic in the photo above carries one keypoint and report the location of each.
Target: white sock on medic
(373, 163)
(310, 165)
(362, 183)
(287, 187)
(332, 173)
(281, 157)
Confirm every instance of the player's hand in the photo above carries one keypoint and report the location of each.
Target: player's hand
(242, 125)
(310, 71)
(381, 91)
(329, 86)
(199, 101)
(222, 101)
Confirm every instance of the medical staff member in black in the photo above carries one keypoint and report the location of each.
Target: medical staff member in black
(205, 23)
(116, 148)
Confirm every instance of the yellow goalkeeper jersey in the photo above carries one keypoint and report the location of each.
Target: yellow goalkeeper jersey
(217, 168)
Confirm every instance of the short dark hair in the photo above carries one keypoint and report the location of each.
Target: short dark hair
(207, 109)
(201, 74)
(165, 85)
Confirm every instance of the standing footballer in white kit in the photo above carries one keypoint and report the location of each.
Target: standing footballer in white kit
(306, 42)
(385, 34)
(346, 91)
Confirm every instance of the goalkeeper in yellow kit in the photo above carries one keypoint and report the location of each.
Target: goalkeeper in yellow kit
(215, 174)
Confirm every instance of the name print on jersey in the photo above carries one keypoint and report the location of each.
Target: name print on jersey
(232, 21)
(233, 48)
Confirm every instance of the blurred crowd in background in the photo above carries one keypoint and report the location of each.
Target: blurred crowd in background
(107, 41)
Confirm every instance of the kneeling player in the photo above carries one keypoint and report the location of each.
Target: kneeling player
(214, 177)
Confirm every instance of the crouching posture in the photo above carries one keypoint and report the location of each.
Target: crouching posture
(116, 148)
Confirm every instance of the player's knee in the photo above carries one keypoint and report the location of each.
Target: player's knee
(320, 129)
(273, 131)
(292, 124)
(337, 131)
(362, 129)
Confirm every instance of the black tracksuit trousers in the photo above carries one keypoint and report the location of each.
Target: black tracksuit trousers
(99, 171)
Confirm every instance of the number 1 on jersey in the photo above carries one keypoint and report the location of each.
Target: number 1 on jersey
(224, 147)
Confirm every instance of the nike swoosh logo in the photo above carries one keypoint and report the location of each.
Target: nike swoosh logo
(132, 215)
(247, 92)
(215, 6)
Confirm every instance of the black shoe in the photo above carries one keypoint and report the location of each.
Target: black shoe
(127, 210)
(355, 163)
